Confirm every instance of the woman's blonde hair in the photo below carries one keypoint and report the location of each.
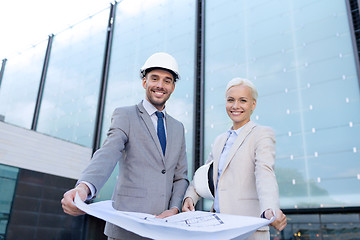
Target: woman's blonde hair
(242, 81)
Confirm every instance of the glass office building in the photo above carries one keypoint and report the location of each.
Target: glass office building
(301, 55)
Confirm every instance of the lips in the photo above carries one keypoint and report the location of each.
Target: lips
(236, 113)
(158, 93)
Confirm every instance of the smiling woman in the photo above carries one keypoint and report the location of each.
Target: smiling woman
(243, 164)
(240, 101)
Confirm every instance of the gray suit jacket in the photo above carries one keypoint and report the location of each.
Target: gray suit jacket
(148, 181)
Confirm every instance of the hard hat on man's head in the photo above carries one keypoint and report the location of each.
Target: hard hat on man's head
(161, 60)
(203, 181)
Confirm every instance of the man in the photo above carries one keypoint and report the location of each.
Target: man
(151, 150)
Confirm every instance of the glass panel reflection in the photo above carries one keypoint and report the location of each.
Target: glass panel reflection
(20, 85)
(141, 29)
(8, 177)
(71, 90)
(308, 91)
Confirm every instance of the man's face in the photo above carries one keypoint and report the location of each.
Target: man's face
(159, 85)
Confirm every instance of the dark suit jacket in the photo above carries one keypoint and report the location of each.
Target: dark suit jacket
(148, 181)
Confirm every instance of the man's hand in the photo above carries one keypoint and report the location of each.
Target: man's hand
(67, 202)
(188, 205)
(280, 221)
(168, 213)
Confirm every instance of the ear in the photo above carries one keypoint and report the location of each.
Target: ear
(144, 82)
(173, 87)
(253, 105)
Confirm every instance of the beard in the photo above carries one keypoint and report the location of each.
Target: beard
(159, 103)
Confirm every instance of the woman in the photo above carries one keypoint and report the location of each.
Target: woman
(243, 164)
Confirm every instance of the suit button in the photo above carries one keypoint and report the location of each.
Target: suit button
(163, 171)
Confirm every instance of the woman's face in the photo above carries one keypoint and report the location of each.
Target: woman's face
(239, 105)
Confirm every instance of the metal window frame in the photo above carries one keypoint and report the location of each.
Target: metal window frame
(3, 64)
(104, 79)
(354, 39)
(198, 120)
(42, 84)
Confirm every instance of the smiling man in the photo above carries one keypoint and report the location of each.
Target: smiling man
(159, 84)
(149, 144)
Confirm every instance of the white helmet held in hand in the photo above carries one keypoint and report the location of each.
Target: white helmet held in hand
(161, 60)
(203, 181)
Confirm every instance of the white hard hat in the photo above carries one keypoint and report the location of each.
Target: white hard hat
(161, 60)
(203, 181)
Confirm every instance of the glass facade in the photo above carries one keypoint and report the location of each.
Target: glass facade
(299, 54)
(19, 89)
(8, 177)
(141, 29)
(69, 103)
(320, 226)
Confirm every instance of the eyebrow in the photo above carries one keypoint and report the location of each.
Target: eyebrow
(156, 75)
(153, 75)
(239, 97)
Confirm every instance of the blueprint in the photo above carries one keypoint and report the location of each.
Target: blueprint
(187, 225)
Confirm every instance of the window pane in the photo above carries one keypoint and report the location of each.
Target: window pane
(20, 85)
(8, 177)
(141, 29)
(299, 54)
(68, 108)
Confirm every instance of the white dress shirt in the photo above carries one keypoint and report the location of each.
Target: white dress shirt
(232, 135)
(150, 109)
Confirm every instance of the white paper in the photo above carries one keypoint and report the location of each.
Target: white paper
(187, 225)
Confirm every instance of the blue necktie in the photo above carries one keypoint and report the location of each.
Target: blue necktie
(161, 130)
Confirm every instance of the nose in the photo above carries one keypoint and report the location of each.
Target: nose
(236, 104)
(160, 83)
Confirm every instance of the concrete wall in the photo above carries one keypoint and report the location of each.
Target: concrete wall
(31, 150)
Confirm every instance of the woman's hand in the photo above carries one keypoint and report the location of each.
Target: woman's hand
(188, 205)
(280, 221)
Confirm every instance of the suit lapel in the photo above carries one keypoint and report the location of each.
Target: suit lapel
(150, 126)
(238, 142)
(169, 133)
(217, 152)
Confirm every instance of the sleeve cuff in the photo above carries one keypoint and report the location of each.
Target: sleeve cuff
(92, 190)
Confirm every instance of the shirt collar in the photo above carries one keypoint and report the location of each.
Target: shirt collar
(237, 131)
(150, 109)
